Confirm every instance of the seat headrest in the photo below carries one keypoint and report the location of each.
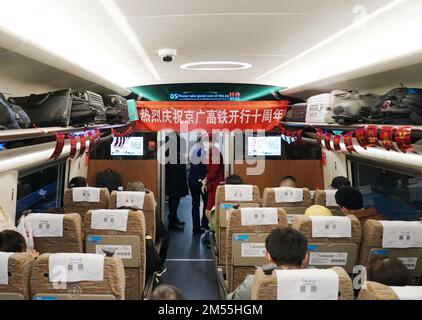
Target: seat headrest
(265, 287)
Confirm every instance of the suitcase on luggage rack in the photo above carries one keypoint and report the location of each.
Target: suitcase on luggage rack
(320, 109)
(12, 116)
(116, 109)
(296, 112)
(95, 103)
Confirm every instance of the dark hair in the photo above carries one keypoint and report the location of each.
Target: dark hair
(389, 271)
(77, 182)
(286, 246)
(233, 179)
(349, 198)
(167, 292)
(12, 241)
(339, 182)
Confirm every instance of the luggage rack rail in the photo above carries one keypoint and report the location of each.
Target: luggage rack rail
(22, 134)
(416, 130)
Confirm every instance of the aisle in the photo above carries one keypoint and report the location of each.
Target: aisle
(189, 263)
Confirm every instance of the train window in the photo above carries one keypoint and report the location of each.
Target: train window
(395, 195)
(40, 189)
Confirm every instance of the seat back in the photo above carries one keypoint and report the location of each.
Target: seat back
(248, 196)
(327, 199)
(111, 287)
(292, 208)
(144, 201)
(54, 233)
(264, 286)
(19, 266)
(129, 245)
(88, 201)
(328, 249)
(246, 240)
(375, 242)
(377, 291)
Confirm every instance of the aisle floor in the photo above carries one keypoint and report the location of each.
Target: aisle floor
(190, 266)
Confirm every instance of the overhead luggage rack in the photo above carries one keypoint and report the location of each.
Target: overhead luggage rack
(22, 134)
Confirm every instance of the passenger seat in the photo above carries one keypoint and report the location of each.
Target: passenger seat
(332, 241)
(377, 291)
(293, 200)
(105, 231)
(19, 275)
(109, 283)
(225, 201)
(80, 200)
(247, 230)
(265, 286)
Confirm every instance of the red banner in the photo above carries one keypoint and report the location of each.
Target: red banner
(372, 135)
(208, 116)
(319, 136)
(336, 142)
(361, 137)
(327, 140)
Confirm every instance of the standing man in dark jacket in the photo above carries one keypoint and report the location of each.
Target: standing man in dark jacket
(176, 182)
(197, 173)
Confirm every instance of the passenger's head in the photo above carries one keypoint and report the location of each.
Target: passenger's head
(286, 247)
(339, 182)
(77, 182)
(12, 241)
(288, 181)
(389, 271)
(233, 179)
(167, 292)
(349, 199)
(318, 210)
(135, 186)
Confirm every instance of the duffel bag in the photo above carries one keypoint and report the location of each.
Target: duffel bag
(398, 106)
(48, 109)
(95, 103)
(116, 109)
(12, 116)
(348, 104)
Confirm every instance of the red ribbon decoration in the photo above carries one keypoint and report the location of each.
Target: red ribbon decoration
(336, 142)
(371, 135)
(91, 138)
(72, 140)
(327, 140)
(348, 142)
(361, 138)
(403, 139)
(386, 137)
(59, 146)
(299, 136)
(319, 136)
(82, 149)
(293, 135)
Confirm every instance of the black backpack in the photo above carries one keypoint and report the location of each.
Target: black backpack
(12, 116)
(398, 106)
(108, 179)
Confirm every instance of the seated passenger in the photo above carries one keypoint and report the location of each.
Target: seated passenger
(317, 210)
(161, 233)
(167, 292)
(339, 182)
(349, 200)
(285, 247)
(77, 182)
(389, 271)
(288, 181)
(13, 241)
